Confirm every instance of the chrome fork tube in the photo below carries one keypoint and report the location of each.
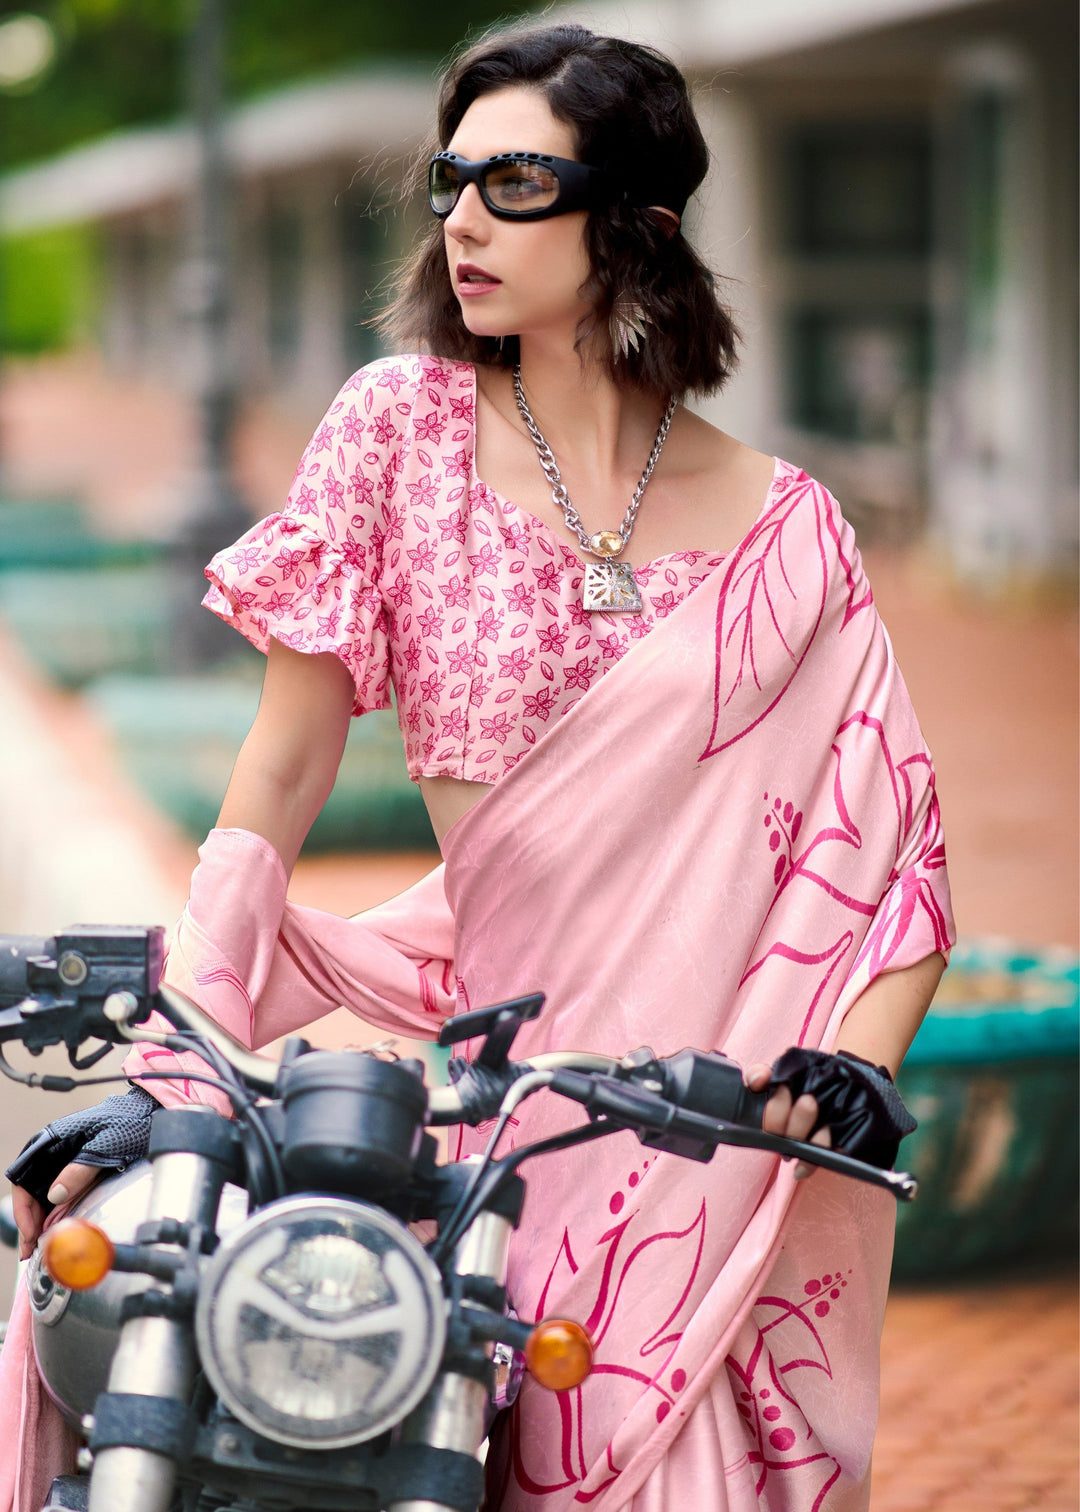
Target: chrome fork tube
(452, 1414)
(156, 1356)
(187, 1187)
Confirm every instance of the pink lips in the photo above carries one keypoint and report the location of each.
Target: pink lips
(472, 280)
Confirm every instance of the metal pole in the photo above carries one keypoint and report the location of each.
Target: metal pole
(214, 514)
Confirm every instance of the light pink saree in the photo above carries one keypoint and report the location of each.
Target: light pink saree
(721, 845)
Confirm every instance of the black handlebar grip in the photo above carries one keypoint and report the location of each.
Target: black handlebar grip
(15, 951)
(710, 1083)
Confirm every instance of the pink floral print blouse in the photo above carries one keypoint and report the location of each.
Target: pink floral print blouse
(393, 554)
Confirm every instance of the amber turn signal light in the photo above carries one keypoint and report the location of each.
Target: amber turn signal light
(559, 1354)
(78, 1254)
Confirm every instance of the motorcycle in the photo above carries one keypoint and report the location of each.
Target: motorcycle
(248, 1321)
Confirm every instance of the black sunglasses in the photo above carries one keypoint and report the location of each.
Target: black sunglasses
(513, 185)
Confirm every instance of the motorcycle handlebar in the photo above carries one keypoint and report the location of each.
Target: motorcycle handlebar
(258, 1071)
(15, 952)
(444, 1103)
(696, 1099)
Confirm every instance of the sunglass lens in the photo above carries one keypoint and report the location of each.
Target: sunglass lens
(443, 186)
(520, 187)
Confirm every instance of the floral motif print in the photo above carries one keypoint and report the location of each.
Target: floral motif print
(786, 1336)
(426, 580)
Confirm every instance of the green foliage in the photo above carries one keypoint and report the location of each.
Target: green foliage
(117, 65)
(47, 283)
(121, 62)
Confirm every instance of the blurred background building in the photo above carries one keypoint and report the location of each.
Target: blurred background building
(893, 198)
(316, 171)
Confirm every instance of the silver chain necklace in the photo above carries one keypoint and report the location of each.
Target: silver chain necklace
(609, 585)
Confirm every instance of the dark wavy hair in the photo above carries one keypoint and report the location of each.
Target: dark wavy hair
(631, 115)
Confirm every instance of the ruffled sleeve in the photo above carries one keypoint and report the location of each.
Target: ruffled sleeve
(309, 575)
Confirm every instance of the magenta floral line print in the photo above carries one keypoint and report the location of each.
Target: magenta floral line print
(881, 782)
(867, 599)
(684, 1248)
(762, 632)
(771, 1415)
(833, 958)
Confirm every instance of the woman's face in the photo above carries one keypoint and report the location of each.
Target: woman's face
(535, 269)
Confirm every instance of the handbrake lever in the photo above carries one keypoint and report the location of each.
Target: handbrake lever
(661, 1125)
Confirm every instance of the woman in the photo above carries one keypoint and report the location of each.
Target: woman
(687, 799)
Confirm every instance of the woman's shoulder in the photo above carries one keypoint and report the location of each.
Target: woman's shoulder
(766, 497)
(727, 455)
(409, 378)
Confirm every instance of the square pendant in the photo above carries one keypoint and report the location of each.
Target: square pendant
(611, 586)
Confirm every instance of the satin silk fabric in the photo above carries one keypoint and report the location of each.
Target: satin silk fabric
(37, 1444)
(721, 845)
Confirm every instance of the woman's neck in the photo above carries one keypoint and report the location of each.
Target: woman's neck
(594, 426)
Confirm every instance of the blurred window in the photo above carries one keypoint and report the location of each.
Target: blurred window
(859, 187)
(982, 129)
(362, 251)
(857, 213)
(284, 242)
(860, 375)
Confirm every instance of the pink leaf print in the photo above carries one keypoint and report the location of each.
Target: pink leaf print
(823, 851)
(859, 593)
(763, 632)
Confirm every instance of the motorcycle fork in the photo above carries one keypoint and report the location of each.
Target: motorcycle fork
(453, 1413)
(156, 1356)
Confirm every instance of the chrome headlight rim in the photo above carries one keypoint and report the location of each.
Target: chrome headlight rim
(328, 1210)
(48, 1298)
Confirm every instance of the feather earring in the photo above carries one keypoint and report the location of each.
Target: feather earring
(626, 327)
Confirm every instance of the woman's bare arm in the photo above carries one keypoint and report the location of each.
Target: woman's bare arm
(883, 1020)
(290, 758)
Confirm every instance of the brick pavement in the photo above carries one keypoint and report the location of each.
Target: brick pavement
(979, 1398)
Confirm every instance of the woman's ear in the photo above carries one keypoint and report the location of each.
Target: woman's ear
(666, 220)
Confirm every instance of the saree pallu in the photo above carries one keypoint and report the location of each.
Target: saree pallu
(720, 845)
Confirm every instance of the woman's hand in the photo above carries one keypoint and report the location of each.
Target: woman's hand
(879, 1027)
(791, 1117)
(30, 1215)
(110, 1136)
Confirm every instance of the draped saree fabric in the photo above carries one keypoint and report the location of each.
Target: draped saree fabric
(720, 845)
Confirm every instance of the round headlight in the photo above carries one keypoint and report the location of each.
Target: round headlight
(320, 1322)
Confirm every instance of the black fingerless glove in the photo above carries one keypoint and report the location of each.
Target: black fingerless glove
(113, 1135)
(857, 1101)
